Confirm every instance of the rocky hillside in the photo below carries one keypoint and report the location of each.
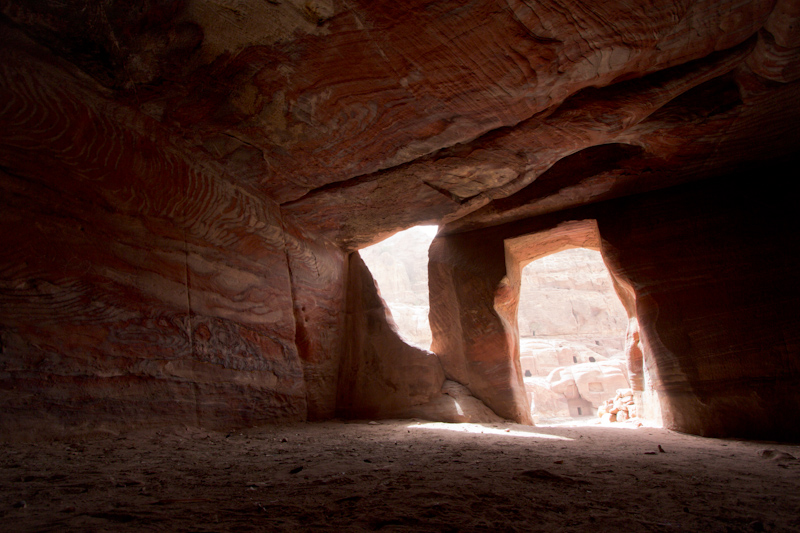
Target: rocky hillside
(568, 307)
(569, 294)
(568, 313)
(400, 267)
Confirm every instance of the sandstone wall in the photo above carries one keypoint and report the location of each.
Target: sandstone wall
(711, 268)
(318, 271)
(181, 180)
(381, 376)
(471, 305)
(140, 286)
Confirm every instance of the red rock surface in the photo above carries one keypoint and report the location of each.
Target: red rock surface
(709, 271)
(381, 376)
(137, 284)
(473, 310)
(182, 182)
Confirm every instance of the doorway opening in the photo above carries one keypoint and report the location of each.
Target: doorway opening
(572, 329)
(399, 266)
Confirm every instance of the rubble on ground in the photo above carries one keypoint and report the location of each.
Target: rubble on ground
(620, 408)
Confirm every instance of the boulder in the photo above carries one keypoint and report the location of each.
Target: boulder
(544, 401)
(590, 381)
(608, 418)
(622, 405)
(455, 404)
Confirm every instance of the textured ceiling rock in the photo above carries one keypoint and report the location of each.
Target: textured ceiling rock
(341, 109)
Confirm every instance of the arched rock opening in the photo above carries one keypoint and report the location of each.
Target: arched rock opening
(705, 269)
(572, 328)
(475, 328)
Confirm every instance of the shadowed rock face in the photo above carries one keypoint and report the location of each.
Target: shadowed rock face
(705, 268)
(182, 182)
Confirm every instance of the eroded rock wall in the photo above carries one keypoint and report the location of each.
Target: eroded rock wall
(181, 182)
(381, 376)
(318, 271)
(471, 304)
(140, 286)
(711, 268)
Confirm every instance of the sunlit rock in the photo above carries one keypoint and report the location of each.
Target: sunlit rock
(591, 382)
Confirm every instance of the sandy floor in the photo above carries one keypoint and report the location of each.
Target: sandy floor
(401, 476)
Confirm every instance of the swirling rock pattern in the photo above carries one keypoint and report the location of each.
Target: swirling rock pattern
(708, 269)
(132, 273)
(182, 182)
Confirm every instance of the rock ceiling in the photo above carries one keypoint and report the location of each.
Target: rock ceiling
(183, 180)
(361, 118)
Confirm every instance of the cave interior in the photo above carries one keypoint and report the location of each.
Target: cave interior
(186, 184)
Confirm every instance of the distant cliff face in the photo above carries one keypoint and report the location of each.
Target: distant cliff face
(570, 294)
(400, 268)
(567, 301)
(568, 313)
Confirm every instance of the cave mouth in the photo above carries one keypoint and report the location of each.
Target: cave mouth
(572, 334)
(399, 266)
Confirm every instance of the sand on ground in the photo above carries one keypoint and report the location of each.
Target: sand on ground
(400, 476)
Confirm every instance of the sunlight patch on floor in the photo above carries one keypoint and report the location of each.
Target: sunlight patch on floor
(487, 430)
(594, 422)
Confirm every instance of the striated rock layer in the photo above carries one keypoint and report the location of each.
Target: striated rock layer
(707, 271)
(137, 284)
(182, 183)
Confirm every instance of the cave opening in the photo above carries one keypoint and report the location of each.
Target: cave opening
(399, 266)
(572, 329)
